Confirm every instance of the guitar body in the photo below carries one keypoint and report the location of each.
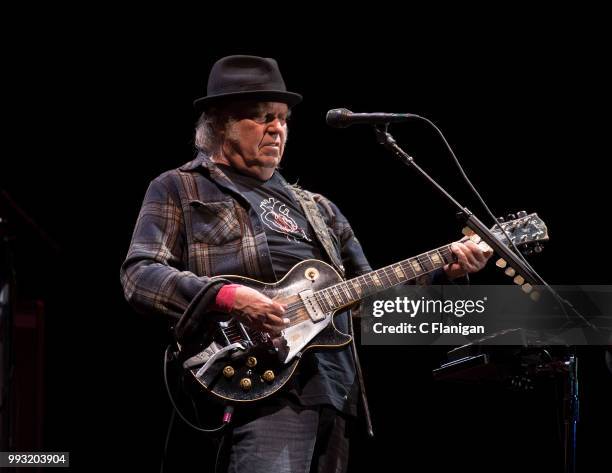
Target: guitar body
(243, 365)
(265, 366)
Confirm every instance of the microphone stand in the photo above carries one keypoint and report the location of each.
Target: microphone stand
(571, 399)
(384, 138)
(571, 407)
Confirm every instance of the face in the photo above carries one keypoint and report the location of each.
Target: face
(253, 141)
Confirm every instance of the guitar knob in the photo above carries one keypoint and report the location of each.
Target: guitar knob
(245, 384)
(311, 274)
(268, 376)
(521, 214)
(228, 371)
(251, 361)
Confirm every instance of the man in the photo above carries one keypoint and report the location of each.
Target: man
(229, 211)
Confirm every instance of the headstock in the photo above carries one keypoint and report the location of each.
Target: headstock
(527, 232)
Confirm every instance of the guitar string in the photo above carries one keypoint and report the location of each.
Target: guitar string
(386, 271)
(293, 308)
(343, 287)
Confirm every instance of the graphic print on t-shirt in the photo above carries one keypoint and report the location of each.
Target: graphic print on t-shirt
(275, 215)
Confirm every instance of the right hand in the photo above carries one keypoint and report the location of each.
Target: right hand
(259, 312)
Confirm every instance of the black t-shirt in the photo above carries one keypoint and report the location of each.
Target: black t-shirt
(325, 376)
(290, 237)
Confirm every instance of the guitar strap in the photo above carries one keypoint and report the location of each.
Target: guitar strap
(321, 229)
(323, 232)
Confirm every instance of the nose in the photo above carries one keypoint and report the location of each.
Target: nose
(275, 126)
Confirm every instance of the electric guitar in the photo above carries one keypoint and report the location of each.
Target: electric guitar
(245, 365)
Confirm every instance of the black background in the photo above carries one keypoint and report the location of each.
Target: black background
(100, 106)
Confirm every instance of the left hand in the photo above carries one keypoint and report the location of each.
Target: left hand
(470, 259)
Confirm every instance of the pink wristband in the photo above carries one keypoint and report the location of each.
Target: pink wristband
(224, 302)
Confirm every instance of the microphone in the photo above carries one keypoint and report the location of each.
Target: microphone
(341, 118)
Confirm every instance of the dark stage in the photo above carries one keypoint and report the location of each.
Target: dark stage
(90, 126)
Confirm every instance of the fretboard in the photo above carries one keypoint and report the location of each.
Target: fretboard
(348, 292)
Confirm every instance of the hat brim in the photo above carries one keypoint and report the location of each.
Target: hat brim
(290, 98)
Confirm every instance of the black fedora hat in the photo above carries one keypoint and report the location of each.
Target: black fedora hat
(246, 77)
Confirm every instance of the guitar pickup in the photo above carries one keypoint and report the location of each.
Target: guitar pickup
(312, 306)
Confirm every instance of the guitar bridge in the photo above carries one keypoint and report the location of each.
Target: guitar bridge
(312, 306)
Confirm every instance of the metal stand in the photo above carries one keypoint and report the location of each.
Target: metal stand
(571, 407)
(571, 364)
(386, 139)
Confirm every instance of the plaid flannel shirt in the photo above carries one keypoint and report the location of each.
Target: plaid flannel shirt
(194, 225)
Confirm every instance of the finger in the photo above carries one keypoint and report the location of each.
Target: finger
(461, 262)
(276, 308)
(487, 251)
(471, 258)
(272, 319)
(476, 252)
(461, 258)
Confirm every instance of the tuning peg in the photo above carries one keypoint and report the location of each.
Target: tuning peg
(527, 288)
(510, 271)
(519, 280)
(538, 248)
(501, 263)
(475, 238)
(467, 231)
(500, 220)
(535, 296)
(511, 217)
(521, 214)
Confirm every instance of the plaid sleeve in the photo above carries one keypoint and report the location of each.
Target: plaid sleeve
(153, 275)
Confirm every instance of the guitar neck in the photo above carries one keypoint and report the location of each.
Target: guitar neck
(348, 292)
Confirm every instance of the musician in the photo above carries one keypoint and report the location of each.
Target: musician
(230, 212)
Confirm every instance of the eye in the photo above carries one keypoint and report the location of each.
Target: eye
(265, 118)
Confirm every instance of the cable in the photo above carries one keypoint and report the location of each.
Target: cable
(165, 455)
(475, 191)
(227, 414)
(562, 301)
(221, 442)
